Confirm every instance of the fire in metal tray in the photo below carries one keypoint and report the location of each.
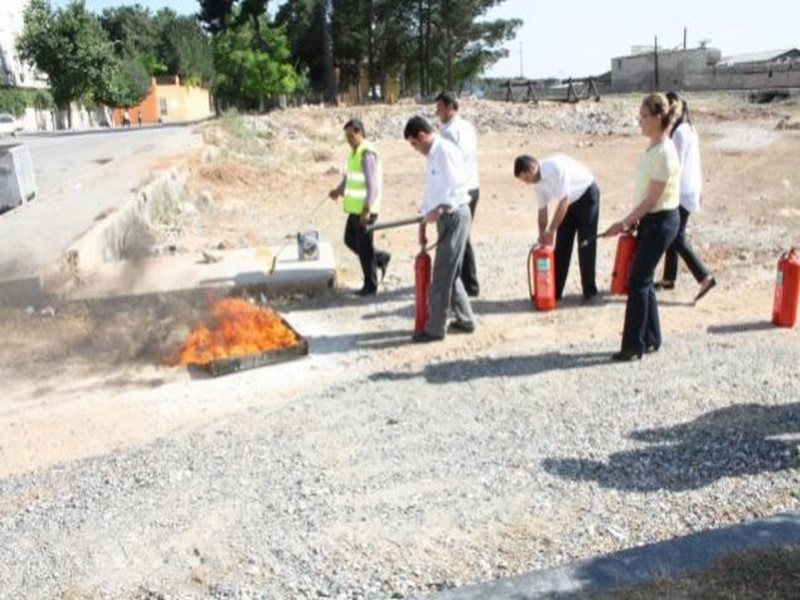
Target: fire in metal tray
(240, 336)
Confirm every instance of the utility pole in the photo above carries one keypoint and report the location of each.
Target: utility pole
(655, 50)
(521, 72)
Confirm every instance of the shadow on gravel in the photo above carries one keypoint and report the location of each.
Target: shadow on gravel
(741, 327)
(745, 439)
(459, 371)
(637, 566)
(378, 340)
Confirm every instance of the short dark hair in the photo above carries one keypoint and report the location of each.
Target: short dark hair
(356, 125)
(415, 126)
(448, 99)
(523, 164)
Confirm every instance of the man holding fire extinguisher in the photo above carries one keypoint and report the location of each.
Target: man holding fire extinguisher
(573, 186)
(446, 203)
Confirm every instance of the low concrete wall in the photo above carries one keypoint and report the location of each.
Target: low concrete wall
(126, 233)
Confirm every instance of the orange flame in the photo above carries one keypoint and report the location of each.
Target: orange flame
(239, 329)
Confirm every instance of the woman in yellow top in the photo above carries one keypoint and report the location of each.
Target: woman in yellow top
(656, 200)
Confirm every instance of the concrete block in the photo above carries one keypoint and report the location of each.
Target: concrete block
(17, 178)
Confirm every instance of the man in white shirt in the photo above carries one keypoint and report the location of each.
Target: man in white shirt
(446, 203)
(573, 187)
(463, 135)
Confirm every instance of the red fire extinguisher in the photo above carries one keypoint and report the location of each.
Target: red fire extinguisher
(787, 290)
(626, 248)
(422, 289)
(542, 277)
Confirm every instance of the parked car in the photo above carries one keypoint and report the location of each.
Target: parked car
(9, 125)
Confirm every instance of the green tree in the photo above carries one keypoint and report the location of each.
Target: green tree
(352, 42)
(427, 44)
(183, 47)
(124, 83)
(470, 44)
(308, 26)
(247, 74)
(131, 30)
(219, 15)
(70, 47)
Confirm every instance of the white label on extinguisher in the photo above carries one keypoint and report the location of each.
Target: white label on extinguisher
(543, 264)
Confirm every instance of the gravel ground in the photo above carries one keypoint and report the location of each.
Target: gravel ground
(408, 470)
(417, 479)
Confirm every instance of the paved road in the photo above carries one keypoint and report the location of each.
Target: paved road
(79, 176)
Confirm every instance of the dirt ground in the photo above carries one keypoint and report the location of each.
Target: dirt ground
(84, 378)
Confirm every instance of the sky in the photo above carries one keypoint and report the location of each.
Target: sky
(576, 38)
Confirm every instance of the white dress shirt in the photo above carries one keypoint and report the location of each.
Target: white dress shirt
(562, 177)
(463, 135)
(687, 144)
(445, 183)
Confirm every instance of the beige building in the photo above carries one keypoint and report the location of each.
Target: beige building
(13, 72)
(703, 68)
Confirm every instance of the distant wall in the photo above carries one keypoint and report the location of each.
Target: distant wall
(698, 69)
(169, 100)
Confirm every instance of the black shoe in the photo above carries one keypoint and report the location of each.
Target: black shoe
(473, 293)
(626, 356)
(651, 348)
(664, 285)
(593, 300)
(425, 337)
(385, 263)
(366, 292)
(705, 287)
(460, 327)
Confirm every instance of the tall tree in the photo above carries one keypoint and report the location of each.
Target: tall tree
(183, 47)
(71, 48)
(247, 74)
(131, 29)
(351, 41)
(470, 44)
(305, 25)
(218, 15)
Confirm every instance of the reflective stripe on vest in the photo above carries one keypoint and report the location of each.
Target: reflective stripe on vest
(355, 186)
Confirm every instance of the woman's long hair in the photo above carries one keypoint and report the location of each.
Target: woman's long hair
(684, 116)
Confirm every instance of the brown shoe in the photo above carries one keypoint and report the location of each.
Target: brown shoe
(705, 287)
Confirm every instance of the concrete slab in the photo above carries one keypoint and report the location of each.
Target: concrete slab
(218, 270)
(636, 566)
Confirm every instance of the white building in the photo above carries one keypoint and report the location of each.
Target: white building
(13, 72)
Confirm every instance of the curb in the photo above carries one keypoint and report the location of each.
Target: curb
(637, 566)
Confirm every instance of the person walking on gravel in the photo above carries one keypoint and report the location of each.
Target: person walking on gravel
(361, 188)
(463, 135)
(687, 142)
(577, 196)
(446, 203)
(655, 211)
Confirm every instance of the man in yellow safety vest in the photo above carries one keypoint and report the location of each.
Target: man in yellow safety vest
(361, 189)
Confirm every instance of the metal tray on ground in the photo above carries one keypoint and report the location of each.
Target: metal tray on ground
(226, 366)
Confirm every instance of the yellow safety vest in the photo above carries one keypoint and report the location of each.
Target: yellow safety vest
(355, 185)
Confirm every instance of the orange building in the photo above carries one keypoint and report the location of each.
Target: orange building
(168, 101)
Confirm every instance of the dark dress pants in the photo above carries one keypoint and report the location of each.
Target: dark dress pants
(581, 218)
(469, 271)
(681, 247)
(361, 243)
(642, 328)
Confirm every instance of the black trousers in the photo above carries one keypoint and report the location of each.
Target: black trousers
(642, 327)
(361, 243)
(681, 247)
(469, 272)
(581, 218)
